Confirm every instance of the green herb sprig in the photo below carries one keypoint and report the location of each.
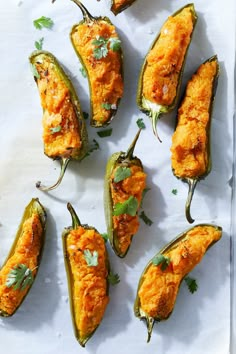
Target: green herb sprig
(191, 284)
(102, 45)
(113, 278)
(20, 277)
(122, 173)
(43, 22)
(161, 260)
(91, 258)
(129, 206)
(39, 44)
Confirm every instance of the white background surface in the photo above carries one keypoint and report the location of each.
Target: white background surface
(42, 325)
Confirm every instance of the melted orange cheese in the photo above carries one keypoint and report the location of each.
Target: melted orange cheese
(89, 282)
(26, 252)
(190, 140)
(159, 289)
(60, 124)
(105, 74)
(165, 60)
(124, 225)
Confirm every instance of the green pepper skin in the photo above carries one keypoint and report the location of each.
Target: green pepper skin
(122, 7)
(192, 182)
(150, 321)
(89, 19)
(75, 224)
(124, 160)
(77, 154)
(153, 110)
(33, 207)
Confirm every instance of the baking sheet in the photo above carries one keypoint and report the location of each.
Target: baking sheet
(200, 322)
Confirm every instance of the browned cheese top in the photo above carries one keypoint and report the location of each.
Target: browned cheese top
(190, 153)
(164, 61)
(27, 251)
(105, 74)
(89, 284)
(61, 134)
(159, 289)
(124, 225)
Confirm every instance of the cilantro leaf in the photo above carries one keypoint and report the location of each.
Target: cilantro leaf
(43, 21)
(122, 173)
(39, 44)
(86, 115)
(83, 71)
(114, 44)
(129, 206)
(174, 191)
(105, 133)
(54, 130)
(20, 276)
(143, 195)
(191, 283)
(34, 71)
(91, 258)
(113, 278)
(99, 41)
(162, 260)
(105, 236)
(100, 52)
(145, 218)
(93, 147)
(106, 106)
(140, 123)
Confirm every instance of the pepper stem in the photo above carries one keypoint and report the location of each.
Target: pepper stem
(130, 151)
(75, 220)
(150, 324)
(154, 118)
(191, 184)
(64, 164)
(86, 14)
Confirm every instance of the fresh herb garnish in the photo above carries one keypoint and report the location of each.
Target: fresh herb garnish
(191, 283)
(174, 191)
(130, 207)
(34, 71)
(39, 44)
(43, 21)
(114, 44)
(93, 147)
(105, 133)
(143, 195)
(122, 173)
(86, 115)
(91, 258)
(140, 123)
(160, 259)
(20, 276)
(102, 44)
(145, 218)
(113, 278)
(83, 72)
(54, 130)
(105, 236)
(106, 106)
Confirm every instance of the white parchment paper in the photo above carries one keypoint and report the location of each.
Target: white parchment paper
(200, 322)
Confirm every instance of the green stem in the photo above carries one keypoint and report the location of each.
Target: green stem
(75, 220)
(86, 15)
(192, 184)
(154, 118)
(150, 324)
(130, 151)
(64, 164)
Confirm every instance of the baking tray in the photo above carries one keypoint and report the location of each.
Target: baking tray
(202, 322)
